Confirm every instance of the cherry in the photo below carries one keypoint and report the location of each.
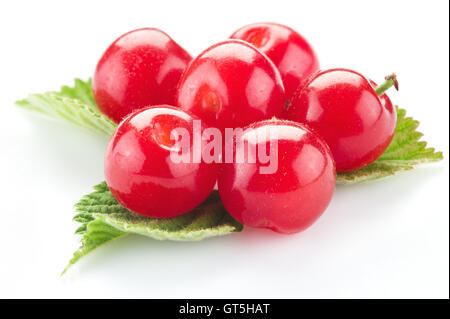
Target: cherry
(231, 84)
(140, 68)
(355, 119)
(141, 172)
(290, 52)
(296, 190)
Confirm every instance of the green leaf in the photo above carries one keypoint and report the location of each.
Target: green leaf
(405, 151)
(103, 219)
(82, 91)
(73, 104)
(94, 234)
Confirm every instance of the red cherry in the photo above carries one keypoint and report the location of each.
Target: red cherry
(344, 108)
(291, 196)
(231, 84)
(290, 52)
(140, 68)
(139, 169)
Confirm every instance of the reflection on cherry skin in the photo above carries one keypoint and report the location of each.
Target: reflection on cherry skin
(342, 106)
(231, 84)
(295, 194)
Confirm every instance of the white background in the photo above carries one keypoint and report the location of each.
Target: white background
(382, 239)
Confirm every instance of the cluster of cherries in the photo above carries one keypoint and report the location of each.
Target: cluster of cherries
(266, 76)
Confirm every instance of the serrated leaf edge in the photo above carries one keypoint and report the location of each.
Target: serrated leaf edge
(400, 165)
(74, 259)
(75, 111)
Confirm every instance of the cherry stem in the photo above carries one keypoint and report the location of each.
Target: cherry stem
(391, 80)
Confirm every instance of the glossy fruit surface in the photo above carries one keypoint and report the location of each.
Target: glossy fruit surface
(140, 171)
(288, 50)
(342, 106)
(139, 69)
(231, 84)
(289, 198)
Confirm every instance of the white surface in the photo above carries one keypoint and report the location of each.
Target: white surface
(381, 239)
